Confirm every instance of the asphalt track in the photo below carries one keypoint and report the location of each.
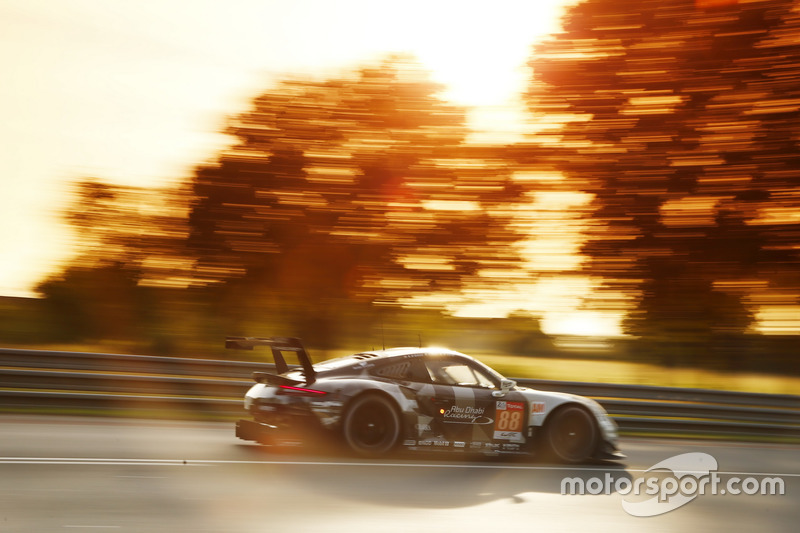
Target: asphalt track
(92, 474)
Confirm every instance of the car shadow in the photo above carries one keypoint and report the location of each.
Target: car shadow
(434, 480)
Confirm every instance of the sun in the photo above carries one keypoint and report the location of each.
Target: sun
(480, 52)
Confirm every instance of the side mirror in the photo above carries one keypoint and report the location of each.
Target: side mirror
(505, 387)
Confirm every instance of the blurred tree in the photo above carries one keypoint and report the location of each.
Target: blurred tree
(103, 302)
(142, 230)
(347, 191)
(353, 188)
(682, 118)
(127, 240)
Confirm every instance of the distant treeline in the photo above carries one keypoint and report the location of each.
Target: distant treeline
(190, 329)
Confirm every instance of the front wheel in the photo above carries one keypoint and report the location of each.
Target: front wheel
(572, 435)
(371, 426)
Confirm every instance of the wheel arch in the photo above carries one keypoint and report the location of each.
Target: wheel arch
(357, 388)
(566, 405)
(374, 391)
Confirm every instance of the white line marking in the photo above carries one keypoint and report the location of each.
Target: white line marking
(95, 527)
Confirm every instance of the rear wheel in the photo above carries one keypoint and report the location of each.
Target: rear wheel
(371, 425)
(571, 435)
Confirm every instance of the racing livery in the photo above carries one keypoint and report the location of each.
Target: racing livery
(417, 399)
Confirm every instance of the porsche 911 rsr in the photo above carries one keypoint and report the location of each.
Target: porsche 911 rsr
(417, 399)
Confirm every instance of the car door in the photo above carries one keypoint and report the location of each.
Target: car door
(463, 407)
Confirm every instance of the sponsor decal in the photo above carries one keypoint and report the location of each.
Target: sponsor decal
(409, 442)
(537, 408)
(458, 444)
(510, 416)
(439, 443)
(465, 415)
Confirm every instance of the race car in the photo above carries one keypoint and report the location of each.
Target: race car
(416, 399)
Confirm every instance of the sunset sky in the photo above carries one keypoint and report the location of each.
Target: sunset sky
(136, 93)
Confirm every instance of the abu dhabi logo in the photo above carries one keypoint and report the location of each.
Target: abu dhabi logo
(672, 483)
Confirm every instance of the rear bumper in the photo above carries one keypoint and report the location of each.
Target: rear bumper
(255, 431)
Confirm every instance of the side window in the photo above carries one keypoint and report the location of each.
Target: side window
(410, 369)
(400, 370)
(484, 380)
(450, 372)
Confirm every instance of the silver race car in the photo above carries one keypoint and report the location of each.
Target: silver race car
(417, 399)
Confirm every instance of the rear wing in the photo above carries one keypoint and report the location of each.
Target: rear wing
(278, 345)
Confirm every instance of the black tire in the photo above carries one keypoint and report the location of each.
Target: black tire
(571, 435)
(372, 425)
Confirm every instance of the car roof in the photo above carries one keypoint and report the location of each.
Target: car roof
(393, 352)
(386, 354)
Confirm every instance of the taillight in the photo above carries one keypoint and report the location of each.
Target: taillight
(301, 391)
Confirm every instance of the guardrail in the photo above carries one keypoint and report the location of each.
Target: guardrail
(51, 381)
(647, 409)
